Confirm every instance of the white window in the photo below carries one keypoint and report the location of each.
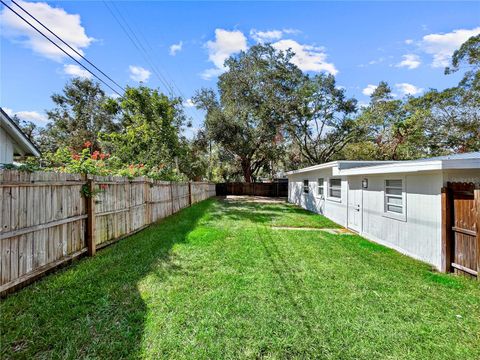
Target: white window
(305, 186)
(335, 188)
(320, 187)
(394, 197)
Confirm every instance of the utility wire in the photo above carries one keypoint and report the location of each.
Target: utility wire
(137, 44)
(70, 47)
(157, 72)
(167, 81)
(60, 48)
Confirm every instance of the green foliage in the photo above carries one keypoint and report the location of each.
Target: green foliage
(150, 128)
(80, 115)
(323, 123)
(97, 163)
(255, 97)
(83, 162)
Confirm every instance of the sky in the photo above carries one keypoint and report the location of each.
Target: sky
(182, 45)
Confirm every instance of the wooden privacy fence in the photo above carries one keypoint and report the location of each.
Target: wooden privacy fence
(273, 189)
(48, 218)
(461, 228)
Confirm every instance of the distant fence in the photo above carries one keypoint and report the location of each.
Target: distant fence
(47, 220)
(274, 189)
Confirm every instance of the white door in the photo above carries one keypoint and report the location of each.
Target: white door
(354, 200)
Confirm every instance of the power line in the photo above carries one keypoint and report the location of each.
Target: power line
(157, 71)
(60, 48)
(135, 41)
(167, 81)
(70, 47)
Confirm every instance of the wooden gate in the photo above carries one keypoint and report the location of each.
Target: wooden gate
(461, 228)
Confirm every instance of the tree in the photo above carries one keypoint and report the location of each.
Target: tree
(323, 123)
(390, 129)
(79, 116)
(30, 129)
(150, 130)
(256, 96)
(452, 117)
(468, 54)
(194, 159)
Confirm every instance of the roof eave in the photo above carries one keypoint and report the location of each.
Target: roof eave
(16, 133)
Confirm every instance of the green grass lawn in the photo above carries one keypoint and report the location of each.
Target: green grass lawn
(215, 281)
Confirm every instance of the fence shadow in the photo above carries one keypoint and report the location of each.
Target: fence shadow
(262, 213)
(94, 308)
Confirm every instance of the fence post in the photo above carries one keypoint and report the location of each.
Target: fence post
(171, 194)
(446, 230)
(476, 195)
(190, 193)
(146, 199)
(91, 245)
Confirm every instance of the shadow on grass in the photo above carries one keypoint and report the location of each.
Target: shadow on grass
(261, 212)
(94, 309)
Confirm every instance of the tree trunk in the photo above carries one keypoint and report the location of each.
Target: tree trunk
(247, 170)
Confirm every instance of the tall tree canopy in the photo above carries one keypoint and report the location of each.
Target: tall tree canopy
(323, 122)
(257, 94)
(150, 129)
(79, 115)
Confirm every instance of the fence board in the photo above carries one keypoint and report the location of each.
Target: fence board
(44, 216)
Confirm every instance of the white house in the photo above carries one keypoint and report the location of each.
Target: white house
(399, 204)
(13, 141)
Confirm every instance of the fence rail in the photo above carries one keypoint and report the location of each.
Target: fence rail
(46, 220)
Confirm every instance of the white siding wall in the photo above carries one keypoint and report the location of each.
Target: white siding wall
(419, 235)
(6, 148)
(332, 208)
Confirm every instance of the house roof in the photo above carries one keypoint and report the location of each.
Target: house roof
(450, 162)
(340, 164)
(22, 145)
(343, 167)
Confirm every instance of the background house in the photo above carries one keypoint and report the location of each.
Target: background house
(13, 141)
(401, 204)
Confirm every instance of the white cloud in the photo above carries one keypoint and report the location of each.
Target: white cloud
(369, 89)
(188, 103)
(139, 74)
(409, 41)
(226, 43)
(8, 111)
(176, 48)
(66, 25)
(307, 57)
(266, 36)
(410, 61)
(291, 31)
(271, 35)
(33, 116)
(442, 46)
(76, 71)
(408, 89)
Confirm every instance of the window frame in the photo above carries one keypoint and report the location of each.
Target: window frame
(306, 186)
(321, 187)
(329, 188)
(392, 214)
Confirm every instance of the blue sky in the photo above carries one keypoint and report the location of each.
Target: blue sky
(406, 44)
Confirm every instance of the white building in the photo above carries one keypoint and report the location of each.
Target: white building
(13, 141)
(398, 204)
